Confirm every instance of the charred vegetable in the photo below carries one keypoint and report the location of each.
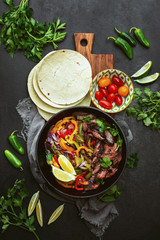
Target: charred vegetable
(90, 150)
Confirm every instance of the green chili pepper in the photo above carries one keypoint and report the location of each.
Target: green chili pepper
(89, 142)
(79, 138)
(140, 36)
(72, 142)
(13, 159)
(126, 36)
(124, 45)
(82, 157)
(80, 129)
(15, 143)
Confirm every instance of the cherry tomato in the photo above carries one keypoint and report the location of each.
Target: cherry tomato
(103, 91)
(123, 91)
(118, 100)
(111, 97)
(98, 95)
(112, 88)
(104, 82)
(105, 104)
(117, 81)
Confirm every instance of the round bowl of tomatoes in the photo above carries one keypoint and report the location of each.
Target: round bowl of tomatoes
(111, 90)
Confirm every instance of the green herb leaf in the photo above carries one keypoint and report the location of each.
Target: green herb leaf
(20, 31)
(141, 116)
(105, 162)
(147, 121)
(146, 109)
(100, 180)
(131, 111)
(9, 215)
(148, 92)
(112, 194)
(87, 119)
(132, 161)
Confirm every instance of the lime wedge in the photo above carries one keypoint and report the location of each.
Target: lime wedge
(56, 214)
(39, 213)
(66, 164)
(32, 203)
(143, 71)
(148, 79)
(62, 175)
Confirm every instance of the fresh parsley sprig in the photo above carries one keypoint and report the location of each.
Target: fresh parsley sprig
(147, 108)
(132, 161)
(111, 195)
(105, 162)
(12, 212)
(20, 31)
(113, 130)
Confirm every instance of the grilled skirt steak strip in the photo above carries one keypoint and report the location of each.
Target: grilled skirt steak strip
(92, 186)
(96, 134)
(96, 168)
(102, 173)
(109, 137)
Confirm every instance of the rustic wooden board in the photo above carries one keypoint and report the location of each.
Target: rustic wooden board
(98, 62)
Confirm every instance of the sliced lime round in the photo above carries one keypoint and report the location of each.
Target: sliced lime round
(143, 71)
(148, 79)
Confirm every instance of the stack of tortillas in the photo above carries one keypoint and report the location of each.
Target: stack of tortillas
(60, 80)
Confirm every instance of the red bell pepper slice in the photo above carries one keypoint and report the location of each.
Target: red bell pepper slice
(56, 159)
(70, 128)
(79, 183)
(62, 135)
(92, 143)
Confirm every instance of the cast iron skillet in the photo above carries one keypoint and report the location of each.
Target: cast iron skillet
(45, 169)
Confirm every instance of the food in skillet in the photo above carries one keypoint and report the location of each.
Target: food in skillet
(83, 151)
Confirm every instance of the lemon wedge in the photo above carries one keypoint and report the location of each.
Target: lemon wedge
(66, 165)
(62, 175)
(143, 71)
(148, 79)
(33, 202)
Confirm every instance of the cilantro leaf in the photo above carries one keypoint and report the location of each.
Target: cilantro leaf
(131, 111)
(111, 195)
(21, 32)
(132, 161)
(100, 180)
(105, 162)
(148, 92)
(11, 208)
(147, 108)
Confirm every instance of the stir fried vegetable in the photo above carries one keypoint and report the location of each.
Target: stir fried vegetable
(84, 142)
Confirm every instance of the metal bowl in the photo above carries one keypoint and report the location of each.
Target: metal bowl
(45, 169)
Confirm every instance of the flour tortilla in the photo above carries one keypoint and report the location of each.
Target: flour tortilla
(42, 105)
(42, 96)
(46, 115)
(34, 97)
(64, 77)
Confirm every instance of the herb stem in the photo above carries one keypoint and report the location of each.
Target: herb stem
(36, 235)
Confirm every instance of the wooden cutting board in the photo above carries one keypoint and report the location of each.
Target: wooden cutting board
(98, 62)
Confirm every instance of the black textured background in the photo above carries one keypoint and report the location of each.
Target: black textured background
(138, 206)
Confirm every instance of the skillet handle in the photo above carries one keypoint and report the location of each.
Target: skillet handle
(123, 123)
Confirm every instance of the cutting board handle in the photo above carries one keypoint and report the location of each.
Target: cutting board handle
(83, 43)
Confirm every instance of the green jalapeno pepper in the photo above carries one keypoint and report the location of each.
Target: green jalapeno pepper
(15, 143)
(124, 45)
(80, 129)
(140, 36)
(126, 36)
(13, 159)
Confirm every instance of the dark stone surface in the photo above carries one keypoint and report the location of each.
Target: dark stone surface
(139, 209)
